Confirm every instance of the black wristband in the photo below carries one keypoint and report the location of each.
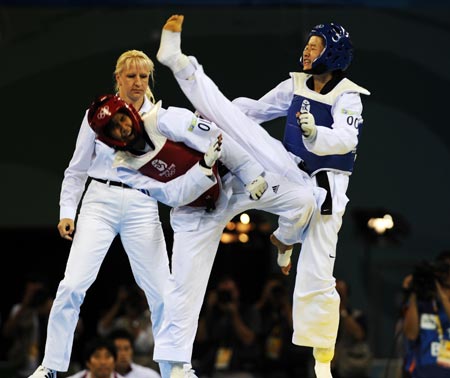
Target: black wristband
(202, 162)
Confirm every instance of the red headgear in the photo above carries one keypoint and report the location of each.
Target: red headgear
(100, 114)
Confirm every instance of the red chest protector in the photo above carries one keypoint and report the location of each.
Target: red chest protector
(175, 159)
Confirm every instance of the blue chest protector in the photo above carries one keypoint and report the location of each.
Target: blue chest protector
(293, 141)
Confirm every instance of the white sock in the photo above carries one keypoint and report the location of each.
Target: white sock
(323, 369)
(169, 52)
(177, 370)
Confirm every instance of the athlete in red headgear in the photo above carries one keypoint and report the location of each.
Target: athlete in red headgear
(162, 146)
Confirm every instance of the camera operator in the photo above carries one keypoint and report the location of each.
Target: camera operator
(25, 327)
(426, 324)
(281, 358)
(227, 336)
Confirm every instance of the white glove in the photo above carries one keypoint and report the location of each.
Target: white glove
(308, 125)
(257, 188)
(214, 152)
(284, 259)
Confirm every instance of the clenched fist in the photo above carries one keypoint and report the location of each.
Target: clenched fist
(214, 152)
(257, 188)
(307, 123)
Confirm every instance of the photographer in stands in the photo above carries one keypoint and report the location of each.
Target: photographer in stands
(426, 323)
(227, 337)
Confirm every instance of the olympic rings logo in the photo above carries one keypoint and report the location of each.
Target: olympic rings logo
(104, 112)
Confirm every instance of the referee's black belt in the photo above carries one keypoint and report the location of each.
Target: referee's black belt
(322, 181)
(112, 183)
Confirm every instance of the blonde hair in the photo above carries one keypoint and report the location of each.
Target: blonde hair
(141, 60)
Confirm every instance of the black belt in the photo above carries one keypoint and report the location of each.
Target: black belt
(322, 181)
(112, 183)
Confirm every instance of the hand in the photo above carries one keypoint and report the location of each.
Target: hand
(214, 152)
(66, 227)
(407, 282)
(257, 188)
(307, 123)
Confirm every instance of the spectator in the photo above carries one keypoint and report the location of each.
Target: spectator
(227, 334)
(130, 311)
(426, 324)
(25, 327)
(100, 356)
(123, 341)
(353, 355)
(281, 358)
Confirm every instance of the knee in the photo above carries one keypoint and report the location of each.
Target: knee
(306, 203)
(70, 293)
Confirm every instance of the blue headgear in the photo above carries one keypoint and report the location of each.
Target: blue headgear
(338, 52)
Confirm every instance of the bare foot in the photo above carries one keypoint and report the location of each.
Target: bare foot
(169, 52)
(286, 269)
(174, 23)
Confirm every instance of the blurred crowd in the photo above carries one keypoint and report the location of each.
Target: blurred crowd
(236, 338)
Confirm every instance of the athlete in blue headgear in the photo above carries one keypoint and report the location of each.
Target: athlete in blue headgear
(323, 126)
(324, 119)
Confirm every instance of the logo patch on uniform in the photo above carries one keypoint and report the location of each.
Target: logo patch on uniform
(348, 112)
(275, 188)
(169, 172)
(305, 107)
(428, 321)
(159, 165)
(192, 125)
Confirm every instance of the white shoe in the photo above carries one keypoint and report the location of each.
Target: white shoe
(43, 372)
(188, 371)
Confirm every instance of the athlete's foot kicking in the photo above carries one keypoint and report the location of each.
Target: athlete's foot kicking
(169, 52)
(284, 254)
(174, 23)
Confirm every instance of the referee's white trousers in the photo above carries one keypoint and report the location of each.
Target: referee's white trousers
(105, 212)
